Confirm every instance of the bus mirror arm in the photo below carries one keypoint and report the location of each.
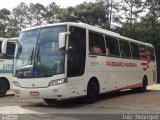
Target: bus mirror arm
(62, 39)
(63, 51)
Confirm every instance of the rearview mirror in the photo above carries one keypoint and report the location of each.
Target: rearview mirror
(4, 47)
(62, 39)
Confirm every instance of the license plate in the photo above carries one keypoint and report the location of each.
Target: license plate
(34, 93)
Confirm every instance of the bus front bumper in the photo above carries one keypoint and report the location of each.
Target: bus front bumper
(51, 92)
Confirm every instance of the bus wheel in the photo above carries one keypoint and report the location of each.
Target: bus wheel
(145, 83)
(144, 87)
(50, 101)
(92, 92)
(3, 88)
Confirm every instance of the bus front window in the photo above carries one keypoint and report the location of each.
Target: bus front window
(24, 49)
(40, 55)
(50, 60)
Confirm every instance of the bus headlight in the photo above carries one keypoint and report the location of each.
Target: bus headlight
(56, 82)
(15, 83)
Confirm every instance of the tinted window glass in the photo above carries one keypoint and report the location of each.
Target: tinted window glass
(96, 43)
(135, 50)
(124, 48)
(0, 45)
(10, 49)
(76, 52)
(143, 52)
(151, 53)
(1, 55)
(112, 47)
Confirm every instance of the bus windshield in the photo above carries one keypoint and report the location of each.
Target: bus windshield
(37, 53)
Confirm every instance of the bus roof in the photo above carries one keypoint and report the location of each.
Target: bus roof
(8, 39)
(93, 28)
(2, 39)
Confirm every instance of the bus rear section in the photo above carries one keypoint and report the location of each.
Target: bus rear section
(120, 63)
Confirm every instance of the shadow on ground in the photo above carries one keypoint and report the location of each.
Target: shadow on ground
(77, 102)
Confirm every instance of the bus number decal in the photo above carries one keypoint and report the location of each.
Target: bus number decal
(7, 66)
(94, 63)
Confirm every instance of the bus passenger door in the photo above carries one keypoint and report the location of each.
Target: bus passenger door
(76, 60)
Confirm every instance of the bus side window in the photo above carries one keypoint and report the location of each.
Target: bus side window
(10, 50)
(135, 50)
(1, 55)
(96, 43)
(151, 53)
(112, 47)
(143, 52)
(124, 48)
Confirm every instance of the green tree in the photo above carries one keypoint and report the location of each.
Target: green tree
(112, 12)
(13, 28)
(36, 14)
(52, 10)
(4, 21)
(153, 12)
(90, 13)
(66, 14)
(131, 11)
(19, 16)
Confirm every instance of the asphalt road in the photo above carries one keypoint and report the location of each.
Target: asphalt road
(116, 106)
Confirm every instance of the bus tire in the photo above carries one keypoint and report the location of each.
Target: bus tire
(144, 87)
(50, 101)
(92, 92)
(145, 83)
(3, 88)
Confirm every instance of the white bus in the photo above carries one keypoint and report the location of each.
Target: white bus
(68, 60)
(7, 47)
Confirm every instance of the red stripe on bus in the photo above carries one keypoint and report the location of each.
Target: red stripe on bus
(143, 64)
(143, 58)
(129, 87)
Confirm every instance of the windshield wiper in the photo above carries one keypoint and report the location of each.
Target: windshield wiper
(37, 55)
(19, 44)
(47, 75)
(31, 57)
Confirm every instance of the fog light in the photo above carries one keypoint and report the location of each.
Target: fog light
(17, 92)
